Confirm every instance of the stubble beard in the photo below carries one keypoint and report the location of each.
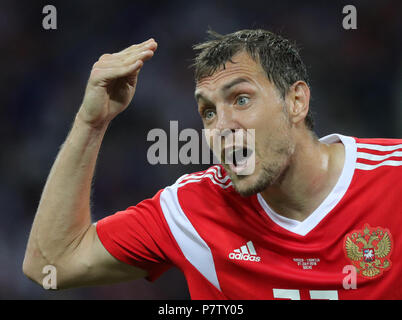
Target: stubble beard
(270, 173)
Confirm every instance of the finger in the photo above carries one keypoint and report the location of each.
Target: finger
(144, 55)
(128, 56)
(105, 56)
(150, 46)
(115, 62)
(130, 53)
(127, 71)
(107, 74)
(136, 47)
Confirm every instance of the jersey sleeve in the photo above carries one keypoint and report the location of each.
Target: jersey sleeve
(138, 236)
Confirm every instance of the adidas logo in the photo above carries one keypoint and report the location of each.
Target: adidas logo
(246, 253)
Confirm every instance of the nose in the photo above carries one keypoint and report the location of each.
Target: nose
(224, 131)
(225, 123)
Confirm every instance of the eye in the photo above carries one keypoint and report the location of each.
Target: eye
(242, 100)
(208, 114)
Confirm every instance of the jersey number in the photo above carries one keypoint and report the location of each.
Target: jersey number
(314, 294)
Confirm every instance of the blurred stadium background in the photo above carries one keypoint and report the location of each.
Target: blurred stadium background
(356, 87)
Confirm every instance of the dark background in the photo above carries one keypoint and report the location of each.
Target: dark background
(356, 88)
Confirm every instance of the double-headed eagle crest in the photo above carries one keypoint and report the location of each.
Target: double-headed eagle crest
(369, 250)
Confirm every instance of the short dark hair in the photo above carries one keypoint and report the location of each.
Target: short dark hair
(279, 57)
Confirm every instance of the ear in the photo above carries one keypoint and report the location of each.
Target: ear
(298, 101)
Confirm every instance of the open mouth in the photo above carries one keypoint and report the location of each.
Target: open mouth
(238, 158)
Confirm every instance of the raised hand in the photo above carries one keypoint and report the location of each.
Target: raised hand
(112, 82)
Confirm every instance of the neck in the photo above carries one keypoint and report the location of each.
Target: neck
(310, 176)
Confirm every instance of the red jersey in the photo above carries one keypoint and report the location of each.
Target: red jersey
(234, 247)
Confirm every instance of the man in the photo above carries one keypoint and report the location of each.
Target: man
(315, 219)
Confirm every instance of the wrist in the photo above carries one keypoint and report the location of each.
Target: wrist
(100, 126)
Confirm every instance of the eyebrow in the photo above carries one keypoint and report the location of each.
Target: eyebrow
(225, 88)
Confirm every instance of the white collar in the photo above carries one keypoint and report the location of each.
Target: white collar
(304, 227)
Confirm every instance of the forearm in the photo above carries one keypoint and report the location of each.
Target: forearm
(63, 213)
(62, 234)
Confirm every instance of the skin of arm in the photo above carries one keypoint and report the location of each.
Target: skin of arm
(62, 233)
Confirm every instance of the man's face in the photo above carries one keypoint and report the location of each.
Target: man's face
(237, 98)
